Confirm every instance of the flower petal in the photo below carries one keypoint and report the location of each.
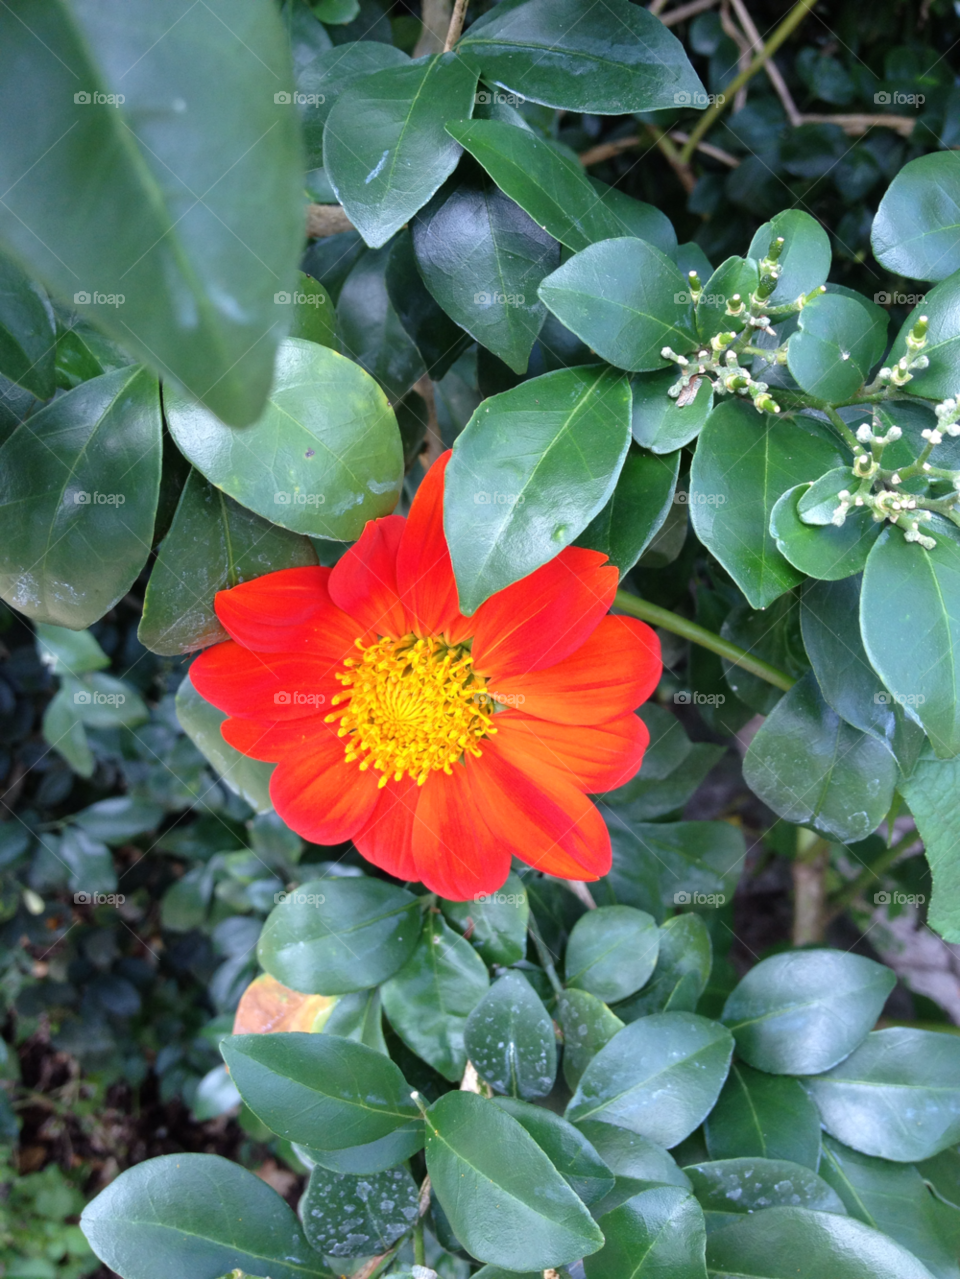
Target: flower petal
(261, 739)
(454, 852)
(364, 580)
(387, 838)
(541, 619)
(316, 792)
(424, 572)
(277, 613)
(613, 672)
(273, 686)
(594, 758)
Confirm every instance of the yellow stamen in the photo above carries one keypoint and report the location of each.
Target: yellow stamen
(413, 705)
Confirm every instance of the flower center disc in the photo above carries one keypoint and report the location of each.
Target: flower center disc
(414, 705)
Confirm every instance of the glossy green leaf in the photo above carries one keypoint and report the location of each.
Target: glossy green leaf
(483, 259)
(509, 1038)
(612, 952)
(804, 262)
(637, 218)
(915, 230)
(896, 1097)
(249, 778)
(626, 299)
(623, 61)
(79, 483)
(748, 1184)
(313, 316)
(910, 622)
(772, 634)
(637, 509)
(322, 1090)
(385, 148)
(658, 1232)
(496, 924)
(839, 341)
(372, 333)
(430, 999)
(547, 455)
(505, 1201)
(164, 119)
(822, 551)
(661, 423)
(733, 277)
(744, 462)
(196, 1214)
(633, 1158)
(348, 1216)
(213, 544)
(28, 332)
(369, 1158)
(333, 936)
(931, 792)
(775, 1243)
(763, 1116)
(321, 79)
(683, 969)
(358, 1016)
(587, 1024)
(565, 1146)
(942, 1175)
(69, 652)
(439, 340)
(323, 458)
(941, 306)
(659, 1077)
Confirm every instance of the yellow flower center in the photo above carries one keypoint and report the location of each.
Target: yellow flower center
(413, 705)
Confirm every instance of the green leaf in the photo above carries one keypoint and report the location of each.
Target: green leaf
(438, 339)
(304, 464)
(172, 257)
(505, 1201)
(931, 793)
(345, 1216)
(69, 652)
(915, 230)
(338, 935)
(801, 1013)
(769, 1245)
(248, 778)
(683, 969)
(429, 1000)
(636, 510)
(372, 332)
(79, 483)
(659, 1077)
(631, 1157)
(565, 1146)
(805, 259)
(63, 730)
(730, 1186)
(626, 300)
(659, 1232)
(119, 819)
(896, 1097)
(547, 454)
(941, 306)
(213, 544)
(385, 148)
(509, 1038)
(314, 317)
(822, 551)
(624, 60)
(372, 1157)
(662, 424)
(636, 218)
(892, 1198)
(763, 1116)
(772, 634)
(744, 462)
(910, 621)
(196, 1214)
(732, 277)
(28, 332)
(497, 922)
(326, 75)
(839, 341)
(358, 1016)
(612, 952)
(587, 1024)
(942, 1175)
(322, 1090)
(483, 259)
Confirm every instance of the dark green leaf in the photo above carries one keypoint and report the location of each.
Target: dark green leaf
(735, 276)
(69, 652)
(822, 551)
(358, 1016)
(631, 1157)
(28, 332)
(636, 510)
(587, 1024)
(772, 634)
(312, 312)
(372, 332)
(566, 1147)
(763, 1116)
(931, 791)
(497, 922)
(636, 218)
(915, 230)
(941, 306)
(321, 79)
(509, 1038)
(612, 952)
(683, 969)
(119, 819)
(662, 424)
(345, 1216)
(201, 722)
(659, 1232)
(748, 1184)
(439, 340)
(374, 1156)
(805, 260)
(839, 341)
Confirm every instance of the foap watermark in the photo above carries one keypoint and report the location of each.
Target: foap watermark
(900, 699)
(696, 498)
(498, 499)
(293, 98)
(99, 899)
(490, 97)
(299, 499)
(899, 899)
(299, 299)
(500, 899)
(286, 698)
(83, 298)
(90, 697)
(80, 497)
(499, 299)
(683, 898)
(899, 299)
(93, 98)
(501, 699)
(684, 98)
(296, 898)
(708, 299)
(690, 697)
(896, 99)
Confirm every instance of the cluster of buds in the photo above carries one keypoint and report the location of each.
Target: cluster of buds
(948, 416)
(729, 377)
(904, 369)
(889, 504)
(867, 434)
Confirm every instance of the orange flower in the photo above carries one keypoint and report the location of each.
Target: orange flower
(442, 745)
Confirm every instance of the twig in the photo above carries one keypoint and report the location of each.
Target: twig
(854, 125)
(685, 11)
(851, 891)
(809, 888)
(717, 153)
(771, 68)
(456, 25)
(326, 219)
(656, 6)
(581, 892)
(435, 17)
(607, 150)
(744, 46)
(434, 440)
(674, 158)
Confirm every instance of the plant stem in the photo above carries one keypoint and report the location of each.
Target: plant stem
(546, 962)
(785, 29)
(851, 891)
(849, 438)
(809, 888)
(682, 626)
(456, 25)
(419, 1252)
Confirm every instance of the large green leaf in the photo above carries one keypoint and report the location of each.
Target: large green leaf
(483, 258)
(322, 76)
(626, 299)
(804, 261)
(201, 722)
(620, 60)
(931, 792)
(333, 936)
(763, 1116)
(213, 544)
(372, 1157)
(350, 1216)
(439, 339)
(160, 120)
(509, 1038)
(941, 306)
(198, 1215)
(587, 1024)
(547, 455)
(506, 1202)
(813, 768)
(565, 1146)
(385, 148)
(612, 952)
(659, 1232)
(430, 999)
(637, 509)
(910, 621)
(744, 462)
(323, 458)
(896, 1097)
(839, 341)
(79, 483)
(683, 968)
(496, 924)
(659, 1077)
(747, 1184)
(660, 422)
(28, 332)
(797, 1243)
(322, 1090)
(915, 229)
(371, 331)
